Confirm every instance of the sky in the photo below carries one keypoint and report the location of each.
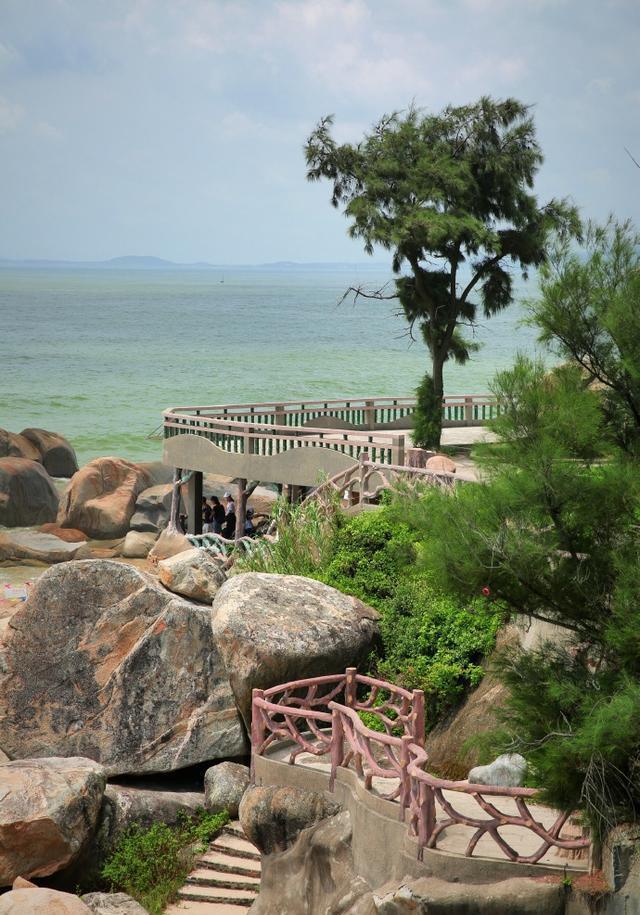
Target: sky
(176, 128)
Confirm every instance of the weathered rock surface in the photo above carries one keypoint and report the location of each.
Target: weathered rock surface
(41, 901)
(112, 904)
(55, 452)
(272, 817)
(315, 875)
(224, 786)
(49, 808)
(507, 770)
(441, 464)
(137, 544)
(35, 546)
(101, 497)
(169, 543)
(275, 628)
(102, 662)
(69, 534)
(516, 896)
(194, 574)
(152, 509)
(14, 445)
(27, 493)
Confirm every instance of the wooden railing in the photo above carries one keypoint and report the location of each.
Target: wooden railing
(322, 716)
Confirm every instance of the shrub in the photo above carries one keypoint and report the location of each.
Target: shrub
(151, 864)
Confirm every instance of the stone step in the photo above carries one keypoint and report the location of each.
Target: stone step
(235, 829)
(206, 877)
(215, 895)
(229, 864)
(239, 848)
(192, 907)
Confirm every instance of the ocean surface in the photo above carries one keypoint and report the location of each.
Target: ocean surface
(97, 354)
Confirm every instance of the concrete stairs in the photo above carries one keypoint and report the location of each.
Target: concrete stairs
(225, 880)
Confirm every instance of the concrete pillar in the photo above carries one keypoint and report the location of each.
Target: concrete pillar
(194, 502)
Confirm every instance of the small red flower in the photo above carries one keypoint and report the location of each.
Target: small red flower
(486, 591)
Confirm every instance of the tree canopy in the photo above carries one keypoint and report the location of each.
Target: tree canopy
(450, 195)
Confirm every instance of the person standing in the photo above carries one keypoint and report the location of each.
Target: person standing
(207, 517)
(218, 515)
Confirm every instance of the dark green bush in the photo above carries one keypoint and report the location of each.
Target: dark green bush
(151, 864)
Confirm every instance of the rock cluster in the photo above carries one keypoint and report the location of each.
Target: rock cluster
(50, 449)
(224, 787)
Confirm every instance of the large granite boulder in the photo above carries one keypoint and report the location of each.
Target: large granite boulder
(35, 546)
(101, 661)
(137, 544)
(49, 809)
(272, 817)
(152, 509)
(57, 455)
(169, 543)
(224, 787)
(101, 498)
(112, 904)
(27, 493)
(41, 901)
(194, 574)
(14, 445)
(274, 628)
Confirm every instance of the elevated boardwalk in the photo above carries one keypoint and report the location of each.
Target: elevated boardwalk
(299, 443)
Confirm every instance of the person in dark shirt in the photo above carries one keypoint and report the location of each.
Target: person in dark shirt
(207, 517)
(229, 526)
(217, 515)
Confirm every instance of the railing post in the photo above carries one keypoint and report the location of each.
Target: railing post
(468, 409)
(257, 730)
(350, 687)
(417, 717)
(405, 781)
(337, 745)
(397, 450)
(279, 414)
(371, 414)
(364, 459)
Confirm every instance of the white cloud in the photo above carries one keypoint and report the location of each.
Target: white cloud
(11, 115)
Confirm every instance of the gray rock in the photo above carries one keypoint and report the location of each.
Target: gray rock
(40, 901)
(21, 546)
(112, 904)
(27, 493)
(152, 509)
(102, 662)
(274, 628)
(49, 809)
(57, 455)
(272, 817)
(14, 445)
(507, 771)
(194, 574)
(224, 786)
(515, 896)
(137, 544)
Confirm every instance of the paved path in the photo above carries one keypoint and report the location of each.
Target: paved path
(225, 880)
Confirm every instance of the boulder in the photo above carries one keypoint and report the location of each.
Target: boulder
(34, 546)
(440, 463)
(515, 896)
(169, 543)
(274, 628)
(224, 786)
(41, 901)
(194, 574)
(272, 817)
(100, 499)
(159, 474)
(69, 534)
(152, 509)
(137, 544)
(507, 771)
(112, 904)
(27, 493)
(48, 811)
(101, 661)
(57, 455)
(14, 445)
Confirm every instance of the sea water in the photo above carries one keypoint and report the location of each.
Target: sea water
(98, 354)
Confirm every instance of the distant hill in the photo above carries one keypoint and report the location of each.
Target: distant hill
(148, 262)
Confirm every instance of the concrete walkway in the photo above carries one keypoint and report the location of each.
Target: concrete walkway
(225, 880)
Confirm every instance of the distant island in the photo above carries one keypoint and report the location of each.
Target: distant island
(148, 262)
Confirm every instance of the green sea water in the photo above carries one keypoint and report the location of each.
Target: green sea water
(97, 354)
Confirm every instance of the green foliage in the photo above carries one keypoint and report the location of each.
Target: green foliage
(449, 194)
(427, 415)
(151, 864)
(554, 534)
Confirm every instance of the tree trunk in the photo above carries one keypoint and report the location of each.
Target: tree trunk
(438, 395)
(173, 526)
(241, 509)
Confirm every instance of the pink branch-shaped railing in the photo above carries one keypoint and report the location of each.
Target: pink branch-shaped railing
(308, 713)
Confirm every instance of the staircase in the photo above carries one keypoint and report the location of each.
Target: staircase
(225, 880)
